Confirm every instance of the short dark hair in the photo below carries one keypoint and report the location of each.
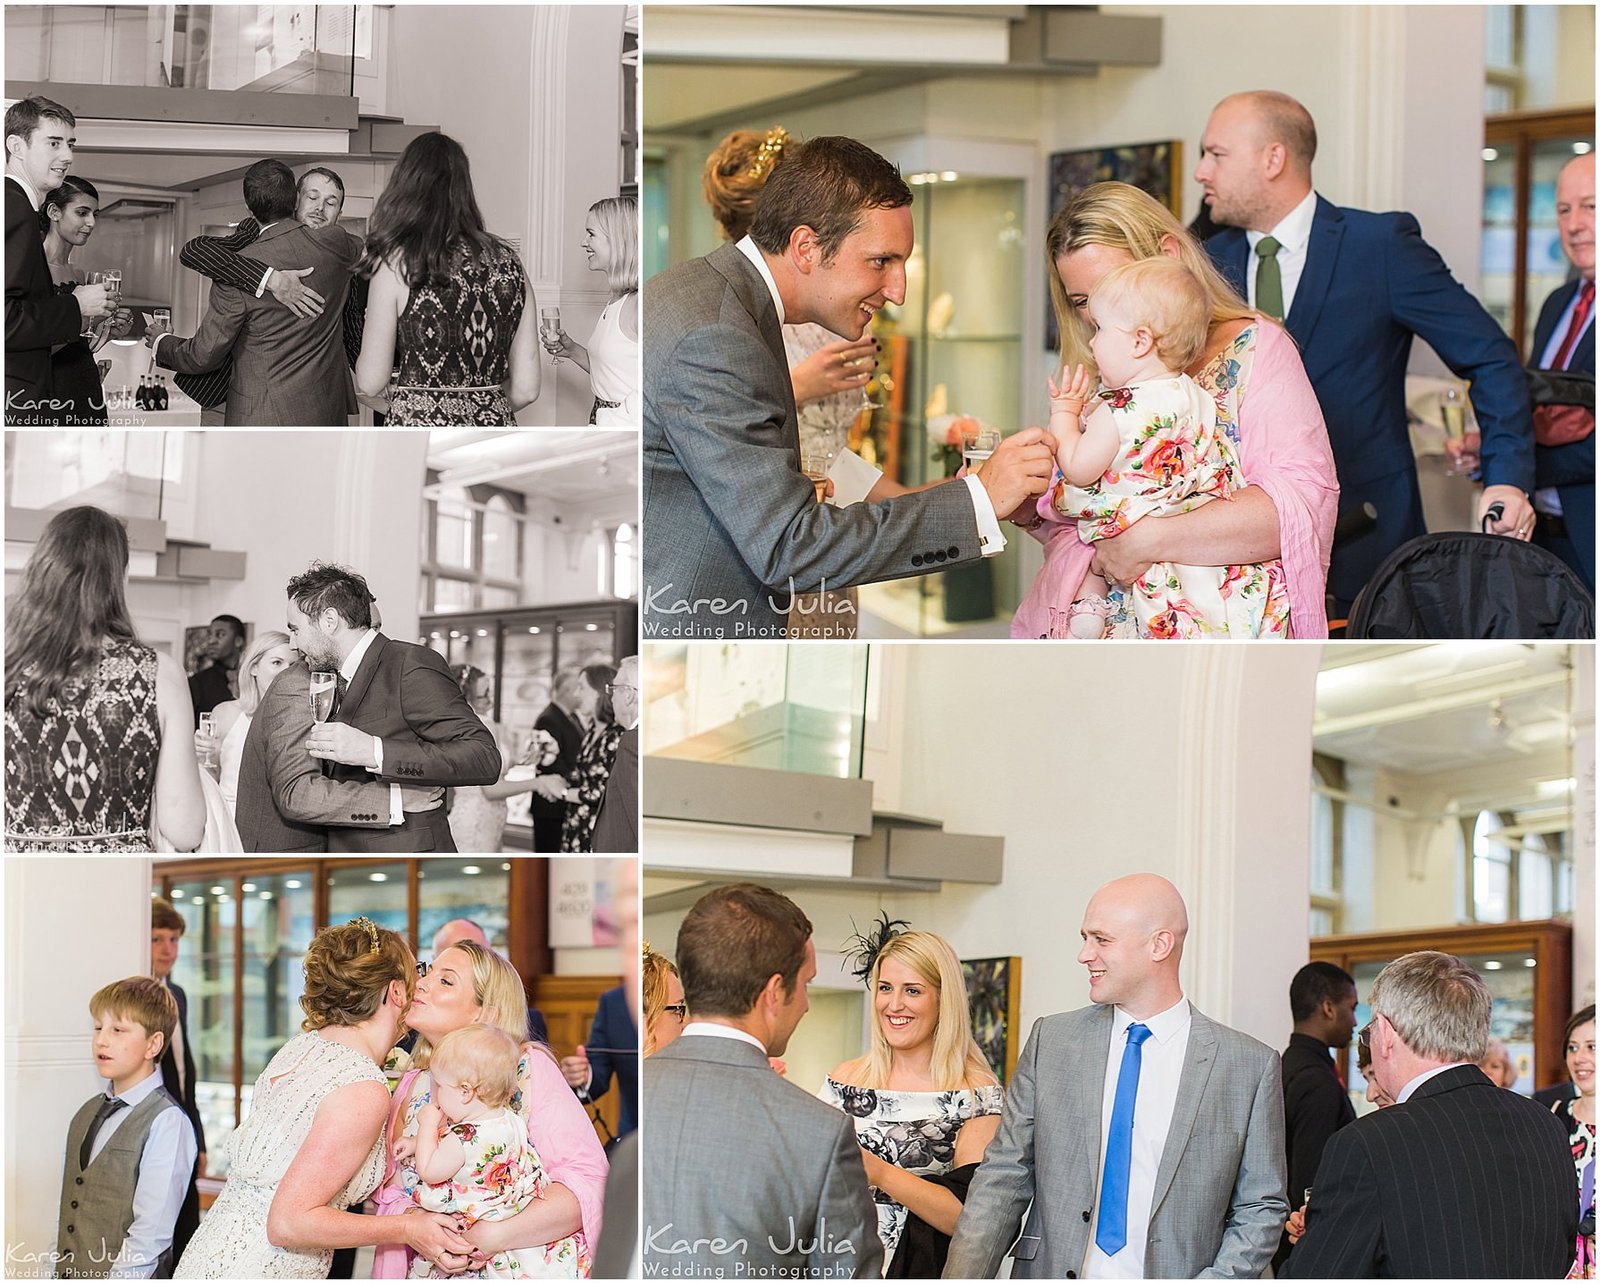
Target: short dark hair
(233, 622)
(1581, 1017)
(24, 115)
(733, 941)
(326, 173)
(58, 198)
(1315, 984)
(269, 191)
(827, 184)
(321, 586)
(164, 916)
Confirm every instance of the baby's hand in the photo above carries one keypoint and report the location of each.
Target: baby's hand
(403, 1149)
(430, 1117)
(1072, 393)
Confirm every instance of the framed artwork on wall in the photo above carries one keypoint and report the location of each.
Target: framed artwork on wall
(994, 997)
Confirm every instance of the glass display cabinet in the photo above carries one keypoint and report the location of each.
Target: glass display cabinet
(522, 650)
(955, 348)
(1527, 967)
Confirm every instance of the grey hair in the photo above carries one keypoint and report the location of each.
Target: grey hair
(1436, 1003)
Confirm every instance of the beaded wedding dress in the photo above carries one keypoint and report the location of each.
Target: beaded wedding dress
(232, 1240)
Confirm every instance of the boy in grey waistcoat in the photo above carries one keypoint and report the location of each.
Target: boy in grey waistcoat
(130, 1150)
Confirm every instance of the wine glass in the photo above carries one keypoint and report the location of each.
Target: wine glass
(550, 330)
(323, 687)
(977, 445)
(112, 280)
(1454, 413)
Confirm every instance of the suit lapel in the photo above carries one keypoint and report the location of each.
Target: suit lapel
(357, 690)
(1322, 255)
(1089, 1088)
(750, 289)
(1198, 1059)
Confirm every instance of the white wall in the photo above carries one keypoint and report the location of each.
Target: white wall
(60, 948)
(1035, 744)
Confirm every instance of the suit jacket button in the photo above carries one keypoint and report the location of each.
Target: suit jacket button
(916, 559)
(1072, 1275)
(954, 551)
(940, 557)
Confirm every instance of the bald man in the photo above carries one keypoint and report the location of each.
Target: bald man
(1354, 289)
(1147, 1139)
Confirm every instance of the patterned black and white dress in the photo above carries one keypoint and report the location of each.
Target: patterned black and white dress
(453, 343)
(911, 1130)
(81, 778)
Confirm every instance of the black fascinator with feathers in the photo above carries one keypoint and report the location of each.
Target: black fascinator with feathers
(864, 947)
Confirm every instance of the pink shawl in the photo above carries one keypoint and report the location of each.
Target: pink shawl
(560, 1131)
(1283, 448)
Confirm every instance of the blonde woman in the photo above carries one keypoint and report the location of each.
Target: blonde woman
(665, 1013)
(266, 657)
(611, 244)
(1265, 406)
(312, 1144)
(471, 983)
(923, 1099)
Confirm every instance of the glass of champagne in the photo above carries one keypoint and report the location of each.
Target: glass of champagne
(323, 687)
(815, 464)
(1453, 414)
(977, 445)
(208, 755)
(550, 331)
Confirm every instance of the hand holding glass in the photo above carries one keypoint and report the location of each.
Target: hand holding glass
(1460, 448)
(323, 687)
(550, 331)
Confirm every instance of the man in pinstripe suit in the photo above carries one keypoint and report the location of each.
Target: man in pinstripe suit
(1460, 1178)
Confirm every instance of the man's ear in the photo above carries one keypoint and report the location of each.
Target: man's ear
(805, 251)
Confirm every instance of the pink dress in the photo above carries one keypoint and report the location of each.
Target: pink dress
(558, 1129)
(1266, 406)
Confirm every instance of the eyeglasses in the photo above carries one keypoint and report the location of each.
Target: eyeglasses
(1364, 1042)
(423, 968)
(619, 686)
(679, 1010)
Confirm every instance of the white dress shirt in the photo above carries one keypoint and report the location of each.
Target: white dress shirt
(164, 1169)
(347, 671)
(715, 1031)
(1293, 235)
(991, 540)
(1160, 1068)
(1423, 1078)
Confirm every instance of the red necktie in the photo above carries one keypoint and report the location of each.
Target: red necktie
(1580, 318)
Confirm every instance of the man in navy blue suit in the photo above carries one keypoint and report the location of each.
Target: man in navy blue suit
(1354, 288)
(613, 1047)
(1563, 339)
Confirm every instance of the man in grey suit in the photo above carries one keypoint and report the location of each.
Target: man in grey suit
(288, 370)
(733, 528)
(746, 1174)
(1148, 1139)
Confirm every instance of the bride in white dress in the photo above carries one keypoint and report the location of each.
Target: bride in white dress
(312, 1144)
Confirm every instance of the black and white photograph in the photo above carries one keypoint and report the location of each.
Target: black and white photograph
(321, 215)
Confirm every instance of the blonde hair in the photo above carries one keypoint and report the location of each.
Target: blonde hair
(249, 698)
(1166, 298)
(618, 219)
(736, 171)
(957, 1061)
(654, 990)
(347, 971)
(140, 999)
(1121, 217)
(481, 1057)
(498, 992)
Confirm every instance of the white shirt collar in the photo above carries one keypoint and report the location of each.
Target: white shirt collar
(1163, 1027)
(712, 1030)
(1424, 1077)
(352, 662)
(34, 198)
(1294, 228)
(134, 1095)
(752, 251)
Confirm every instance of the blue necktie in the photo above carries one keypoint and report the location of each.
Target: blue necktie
(1111, 1231)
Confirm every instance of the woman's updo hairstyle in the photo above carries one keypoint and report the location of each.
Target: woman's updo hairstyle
(735, 173)
(348, 969)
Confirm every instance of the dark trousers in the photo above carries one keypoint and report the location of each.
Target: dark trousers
(547, 832)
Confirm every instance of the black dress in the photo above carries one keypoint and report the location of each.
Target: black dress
(454, 343)
(77, 378)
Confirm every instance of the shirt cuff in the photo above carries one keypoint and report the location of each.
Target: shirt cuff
(397, 813)
(991, 540)
(266, 276)
(155, 348)
(377, 755)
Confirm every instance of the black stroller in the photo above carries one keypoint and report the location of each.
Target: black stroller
(1462, 584)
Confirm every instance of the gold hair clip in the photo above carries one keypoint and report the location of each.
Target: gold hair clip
(371, 929)
(767, 156)
(646, 953)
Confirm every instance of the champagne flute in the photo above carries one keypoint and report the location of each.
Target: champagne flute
(977, 445)
(91, 329)
(550, 330)
(323, 687)
(208, 755)
(1453, 411)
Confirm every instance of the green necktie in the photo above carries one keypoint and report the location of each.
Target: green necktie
(1269, 279)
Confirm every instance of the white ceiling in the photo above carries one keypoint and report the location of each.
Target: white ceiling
(1451, 707)
(582, 468)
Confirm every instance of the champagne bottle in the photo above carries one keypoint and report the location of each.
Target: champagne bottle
(141, 399)
(161, 392)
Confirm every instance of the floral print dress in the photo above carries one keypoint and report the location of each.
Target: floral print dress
(502, 1175)
(911, 1130)
(1178, 451)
